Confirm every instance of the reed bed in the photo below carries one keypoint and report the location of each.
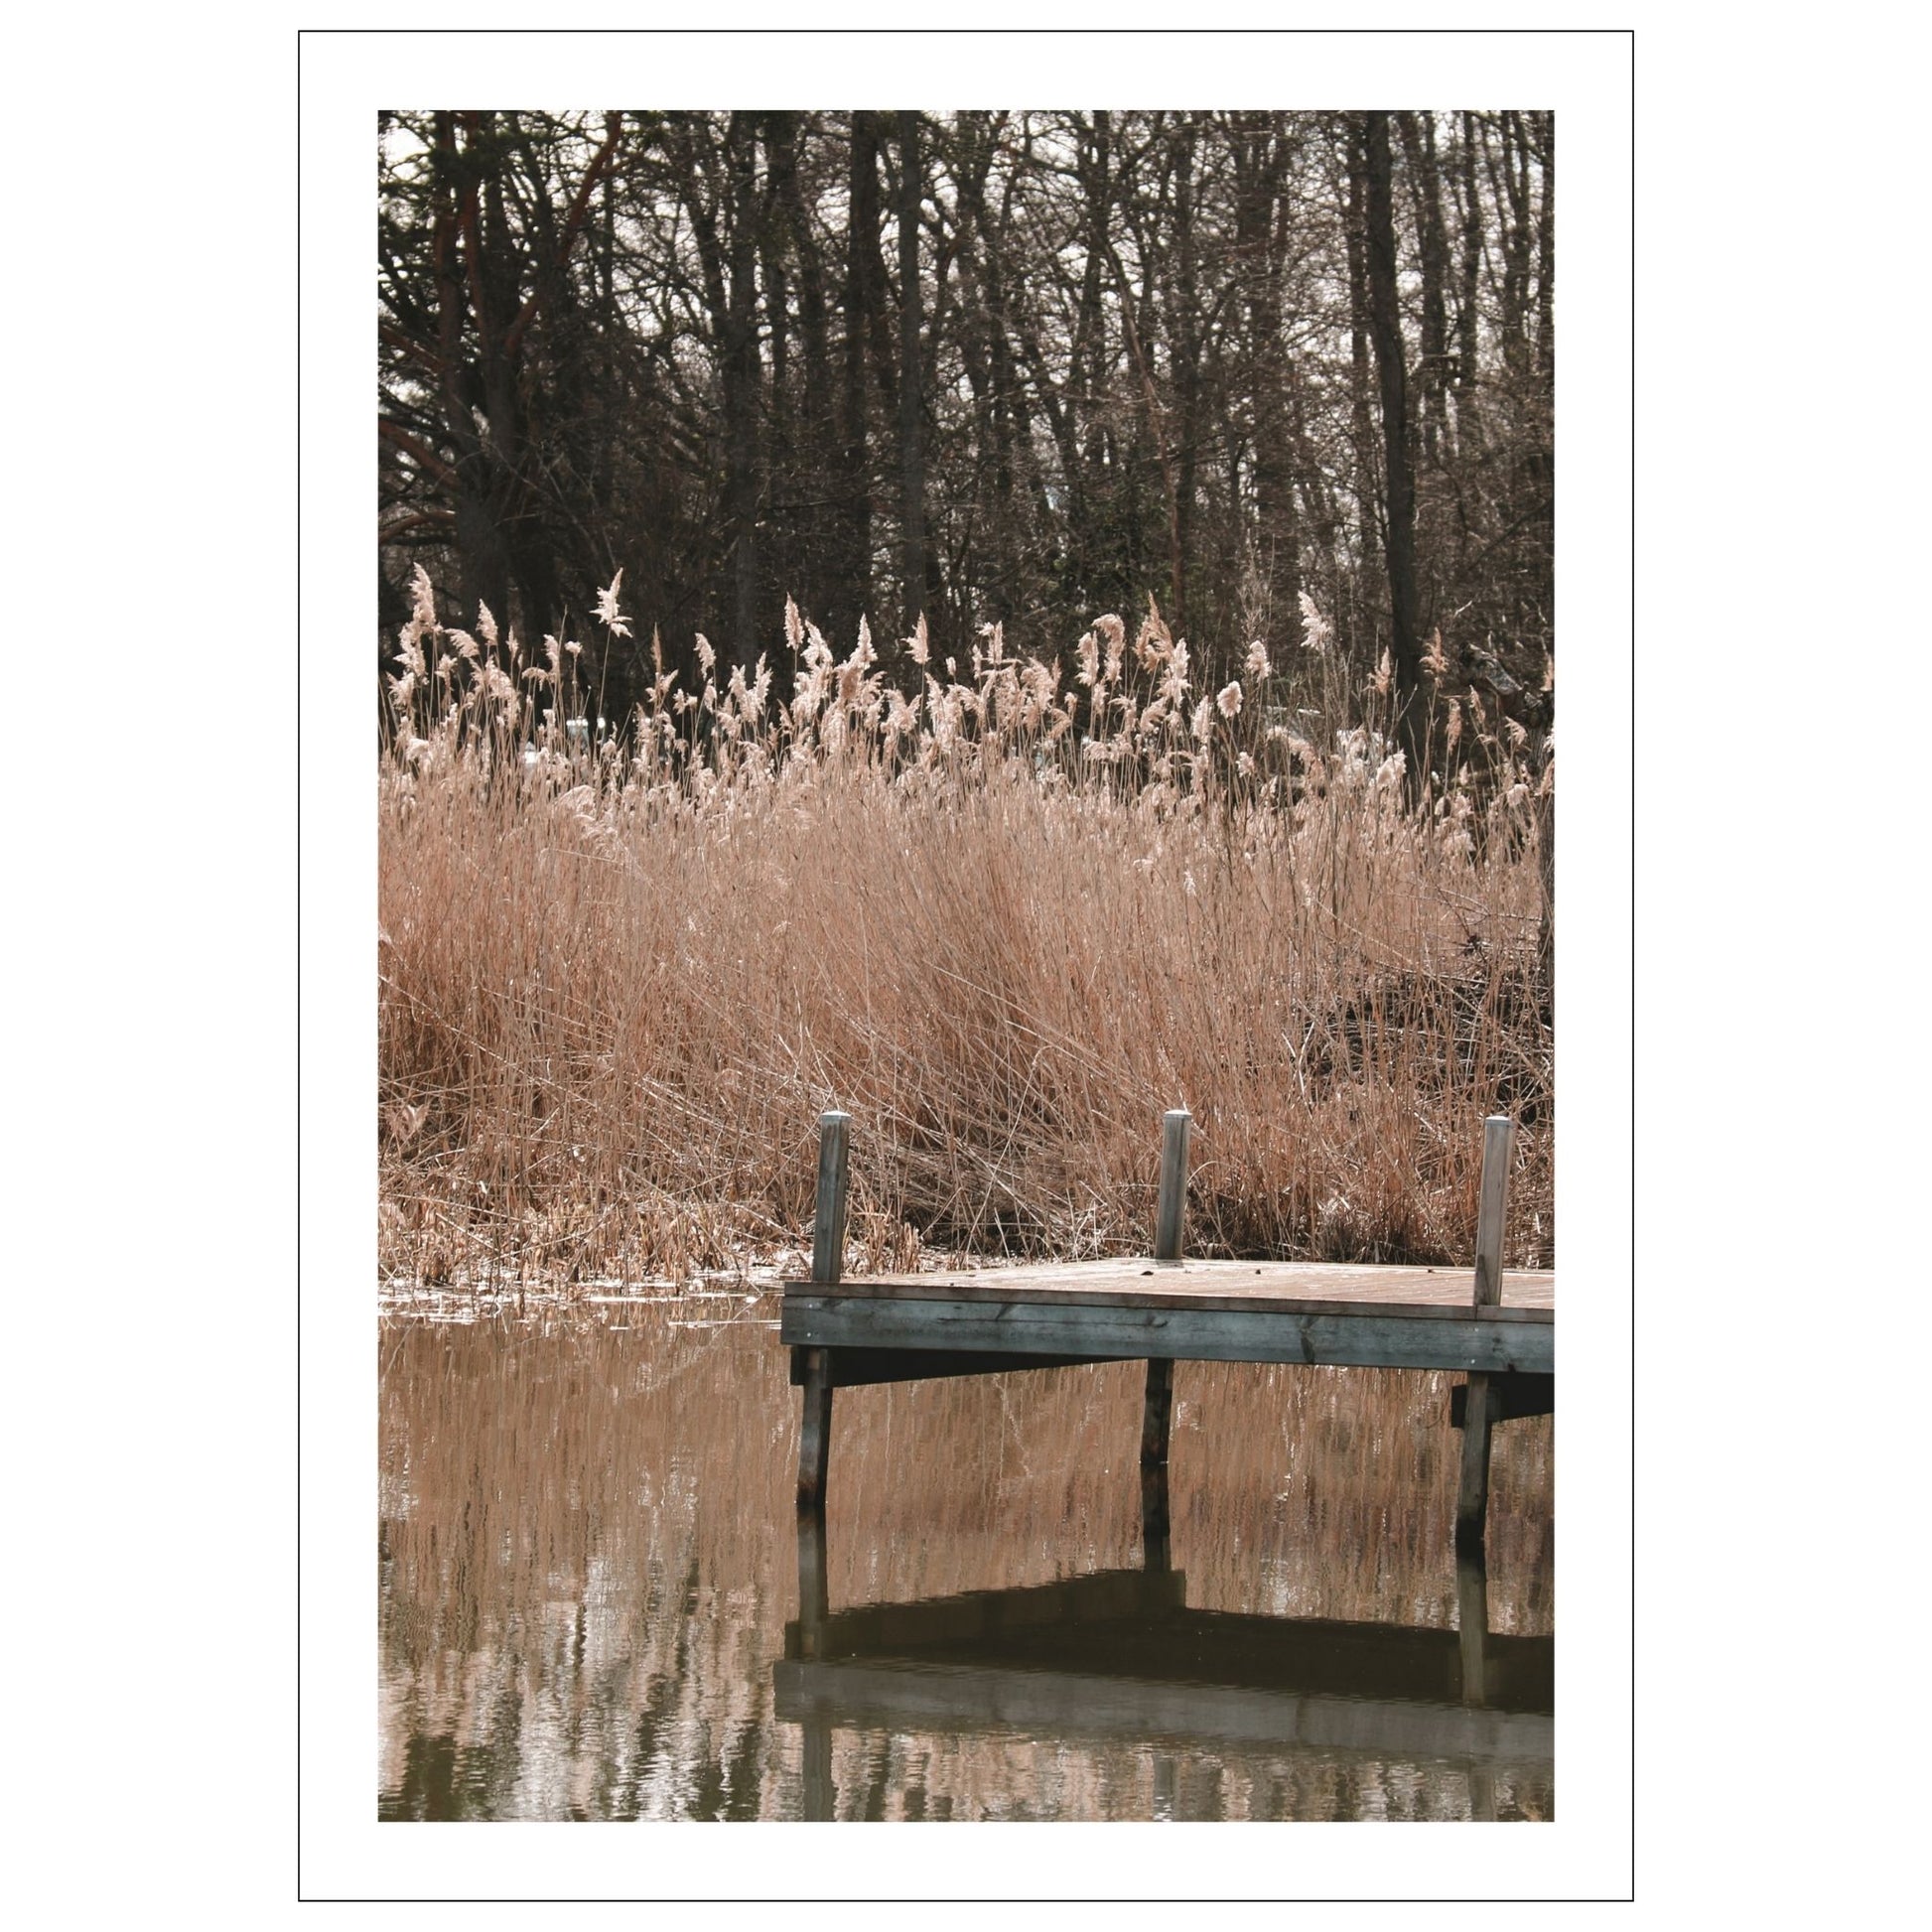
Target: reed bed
(1000, 911)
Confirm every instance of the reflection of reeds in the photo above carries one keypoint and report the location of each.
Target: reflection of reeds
(1002, 920)
(588, 1555)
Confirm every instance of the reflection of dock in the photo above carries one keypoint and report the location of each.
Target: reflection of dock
(1121, 1658)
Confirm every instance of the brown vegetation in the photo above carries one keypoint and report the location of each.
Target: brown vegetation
(1001, 914)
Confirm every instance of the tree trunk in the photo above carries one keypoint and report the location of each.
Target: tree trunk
(1546, 233)
(1512, 197)
(1186, 335)
(862, 243)
(1399, 480)
(1361, 376)
(1088, 358)
(1419, 153)
(816, 445)
(1261, 159)
(741, 372)
(1468, 320)
(911, 452)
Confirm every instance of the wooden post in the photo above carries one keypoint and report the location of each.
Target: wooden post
(828, 1261)
(1172, 1213)
(828, 1223)
(1479, 1413)
(1157, 1414)
(815, 1431)
(1497, 1131)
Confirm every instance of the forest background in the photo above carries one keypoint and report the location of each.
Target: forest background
(986, 368)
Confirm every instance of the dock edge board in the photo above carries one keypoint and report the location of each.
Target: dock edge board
(1372, 1339)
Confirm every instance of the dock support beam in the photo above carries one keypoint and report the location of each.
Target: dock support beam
(1472, 1493)
(1480, 1410)
(1157, 1414)
(1156, 1418)
(815, 1431)
(828, 1262)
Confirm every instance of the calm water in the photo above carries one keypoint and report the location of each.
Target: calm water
(592, 1586)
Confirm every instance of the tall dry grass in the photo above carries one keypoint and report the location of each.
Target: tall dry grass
(1002, 921)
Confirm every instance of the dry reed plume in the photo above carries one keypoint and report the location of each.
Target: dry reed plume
(1003, 920)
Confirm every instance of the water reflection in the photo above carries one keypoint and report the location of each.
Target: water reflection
(590, 1590)
(1119, 1657)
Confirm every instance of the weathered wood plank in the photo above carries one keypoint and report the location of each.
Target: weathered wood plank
(1296, 1285)
(1382, 1338)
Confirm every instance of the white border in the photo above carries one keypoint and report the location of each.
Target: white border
(1587, 1851)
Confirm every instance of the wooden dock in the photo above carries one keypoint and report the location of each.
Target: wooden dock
(1498, 1328)
(1320, 1315)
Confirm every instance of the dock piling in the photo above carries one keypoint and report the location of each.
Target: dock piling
(828, 1221)
(1156, 1419)
(1480, 1405)
(1172, 1213)
(828, 1263)
(815, 1431)
(1157, 1414)
(1497, 1131)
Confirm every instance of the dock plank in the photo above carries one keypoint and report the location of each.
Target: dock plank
(1290, 1287)
(1362, 1336)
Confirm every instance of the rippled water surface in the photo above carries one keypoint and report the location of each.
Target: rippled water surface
(592, 1581)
